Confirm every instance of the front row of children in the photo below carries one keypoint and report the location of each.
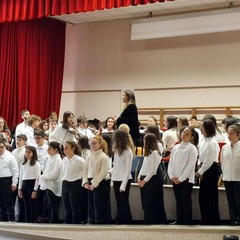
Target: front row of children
(82, 178)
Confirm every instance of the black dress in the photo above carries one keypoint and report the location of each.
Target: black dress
(129, 116)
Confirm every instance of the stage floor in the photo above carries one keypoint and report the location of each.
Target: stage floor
(20, 231)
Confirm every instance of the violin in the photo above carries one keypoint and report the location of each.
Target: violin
(74, 130)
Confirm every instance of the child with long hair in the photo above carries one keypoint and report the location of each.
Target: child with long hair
(124, 127)
(51, 180)
(94, 179)
(230, 164)
(150, 188)
(72, 182)
(84, 146)
(30, 171)
(181, 171)
(121, 175)
(85, 151)
(208, 173)
(155, 130)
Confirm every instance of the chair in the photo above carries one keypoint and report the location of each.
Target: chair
(136, 166)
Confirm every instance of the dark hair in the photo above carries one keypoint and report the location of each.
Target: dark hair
(172, 122)
(75, 146)
(195, 137)
(22, 136)
(34, 158)
(209, 128)
(114, 123)
(130, 95)
(155, 130)
(108, 139)
(183, 120)
(42, 123)
(55, 145)
(83, 142)
(211, 117)
(228, 121)
(39, 133)
(65, 117)
(120, 141)
(150, 144)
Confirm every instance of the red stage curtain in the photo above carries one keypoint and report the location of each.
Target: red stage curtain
(31, 67)
(14, 10)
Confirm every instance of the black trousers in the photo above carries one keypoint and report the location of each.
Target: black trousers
(20, 214)
(71, 192)
(43, 210)
(152, 202)
(233, 197)
(29, 203)
(183, 195)
(6, 200)
(99, 207)
(53, 204)
(208, 196)
(124, 215)
(84, 205)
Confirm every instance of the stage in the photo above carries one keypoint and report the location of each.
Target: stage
(20, 231)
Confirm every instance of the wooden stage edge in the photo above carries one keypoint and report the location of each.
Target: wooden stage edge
(115, 232)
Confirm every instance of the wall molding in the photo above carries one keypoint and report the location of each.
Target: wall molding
(92, 91)
(186, 88)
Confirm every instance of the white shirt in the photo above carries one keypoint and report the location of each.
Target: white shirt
(19, 154)
(226, 139)
(208, 153)
(28, 172)
(160, 147)
(105, 130)
(52, 176)
(21, 128)
(9, 167)
(85, 154)
(200, 136)
(42, 153)
(150, 165)
(73, 168)
(169, 138)
(61, 135)
(182, 162)
(220, 137)
(230, 162)
(30, 136)
(122, 166)
(86, 132)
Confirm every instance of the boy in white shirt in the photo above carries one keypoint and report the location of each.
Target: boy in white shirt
(42, 153)
(19, 154)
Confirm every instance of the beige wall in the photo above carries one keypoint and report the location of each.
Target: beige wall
(101, 61)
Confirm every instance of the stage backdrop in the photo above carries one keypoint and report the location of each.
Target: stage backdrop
(31, 67)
